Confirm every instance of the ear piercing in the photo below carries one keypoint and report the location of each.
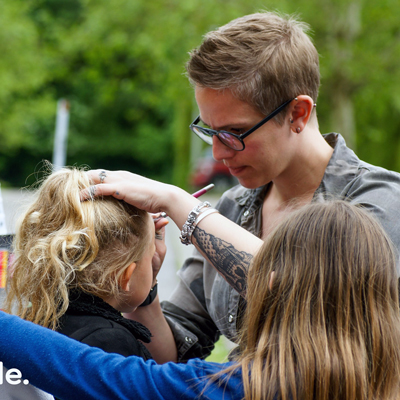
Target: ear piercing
(291, 120)
(298, 130)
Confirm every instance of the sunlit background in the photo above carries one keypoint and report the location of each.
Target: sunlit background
(120, 65)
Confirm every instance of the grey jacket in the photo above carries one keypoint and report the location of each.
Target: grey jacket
(204, 306)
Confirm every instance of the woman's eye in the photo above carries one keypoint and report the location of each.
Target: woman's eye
(236, 130)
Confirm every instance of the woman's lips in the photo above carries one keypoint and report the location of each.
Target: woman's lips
(236, 170)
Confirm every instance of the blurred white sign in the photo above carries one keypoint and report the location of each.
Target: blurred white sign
(3, 227)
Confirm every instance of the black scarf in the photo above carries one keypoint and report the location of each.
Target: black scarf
(81, 303)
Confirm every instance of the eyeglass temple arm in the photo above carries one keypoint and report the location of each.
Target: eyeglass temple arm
(267, 118)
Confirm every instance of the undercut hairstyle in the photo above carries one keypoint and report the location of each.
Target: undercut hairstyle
(322, 320)
(63, 243)
(264, 59)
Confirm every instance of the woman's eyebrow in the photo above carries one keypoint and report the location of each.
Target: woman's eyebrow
(234, 125)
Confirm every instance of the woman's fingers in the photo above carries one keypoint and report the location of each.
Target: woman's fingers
(141, 192)
(100, 190)
(160, 223)
(137, 194)
(105, 176)
(123, 185)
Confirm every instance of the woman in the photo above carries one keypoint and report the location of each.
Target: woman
(322, 322)
(256, 83)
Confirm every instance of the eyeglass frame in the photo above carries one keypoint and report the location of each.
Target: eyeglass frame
(212, 132)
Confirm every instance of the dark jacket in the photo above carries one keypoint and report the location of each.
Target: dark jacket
(92, 321)
(204, 305)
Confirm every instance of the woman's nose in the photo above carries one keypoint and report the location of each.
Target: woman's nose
(220, 150)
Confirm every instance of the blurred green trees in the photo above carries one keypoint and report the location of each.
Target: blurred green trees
(121, 66)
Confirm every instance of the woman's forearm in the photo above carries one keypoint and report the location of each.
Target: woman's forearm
(225, 244)
(231, 263)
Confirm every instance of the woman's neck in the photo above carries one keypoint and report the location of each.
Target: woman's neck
(304, 175)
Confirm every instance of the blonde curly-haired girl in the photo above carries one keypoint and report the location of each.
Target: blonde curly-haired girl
(78, 265)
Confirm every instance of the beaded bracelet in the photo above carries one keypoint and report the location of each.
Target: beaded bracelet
(188, 226)
(194, 217)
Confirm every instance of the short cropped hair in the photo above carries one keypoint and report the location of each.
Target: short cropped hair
(265, 59)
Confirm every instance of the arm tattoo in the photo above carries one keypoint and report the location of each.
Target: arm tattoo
(226, 259)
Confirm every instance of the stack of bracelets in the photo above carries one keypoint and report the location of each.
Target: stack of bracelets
(195, 216)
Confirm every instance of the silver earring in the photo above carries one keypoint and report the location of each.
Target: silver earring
(291, 120)
(298, 130)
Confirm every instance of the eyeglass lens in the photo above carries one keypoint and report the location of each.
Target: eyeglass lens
(225, 137)
(202, 135)
(230, 141)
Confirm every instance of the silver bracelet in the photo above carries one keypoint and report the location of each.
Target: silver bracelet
(204, 214)
(189, 225)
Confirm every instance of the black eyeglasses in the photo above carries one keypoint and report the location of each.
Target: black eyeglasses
(230, 139)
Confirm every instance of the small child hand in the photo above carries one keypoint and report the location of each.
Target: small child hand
(161, 249)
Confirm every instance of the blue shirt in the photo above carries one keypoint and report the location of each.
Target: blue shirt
(71, 370)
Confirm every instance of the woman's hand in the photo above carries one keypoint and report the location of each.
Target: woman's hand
(141, 192)
(144, 193)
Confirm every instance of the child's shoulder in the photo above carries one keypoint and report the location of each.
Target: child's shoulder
(99, 331)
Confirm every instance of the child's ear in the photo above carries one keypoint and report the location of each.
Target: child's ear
(126, 277)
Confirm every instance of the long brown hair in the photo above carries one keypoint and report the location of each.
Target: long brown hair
(62, 243)
(322, 320)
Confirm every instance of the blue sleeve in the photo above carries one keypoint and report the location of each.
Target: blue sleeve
(71, 370)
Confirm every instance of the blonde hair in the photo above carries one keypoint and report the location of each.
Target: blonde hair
(62, 244)
(265, 59)
(327, 325)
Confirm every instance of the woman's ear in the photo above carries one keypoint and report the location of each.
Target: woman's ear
(125, 278)
(301, 112)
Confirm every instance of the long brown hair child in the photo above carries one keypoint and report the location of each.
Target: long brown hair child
(322, 320)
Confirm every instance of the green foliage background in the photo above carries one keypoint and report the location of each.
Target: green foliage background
(121, 66)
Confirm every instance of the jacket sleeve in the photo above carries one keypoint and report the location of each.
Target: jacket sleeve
(71, 370)
(378, 190)
(195, 305)
(194, 330)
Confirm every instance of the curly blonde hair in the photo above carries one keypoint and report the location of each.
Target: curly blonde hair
(62, 244)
